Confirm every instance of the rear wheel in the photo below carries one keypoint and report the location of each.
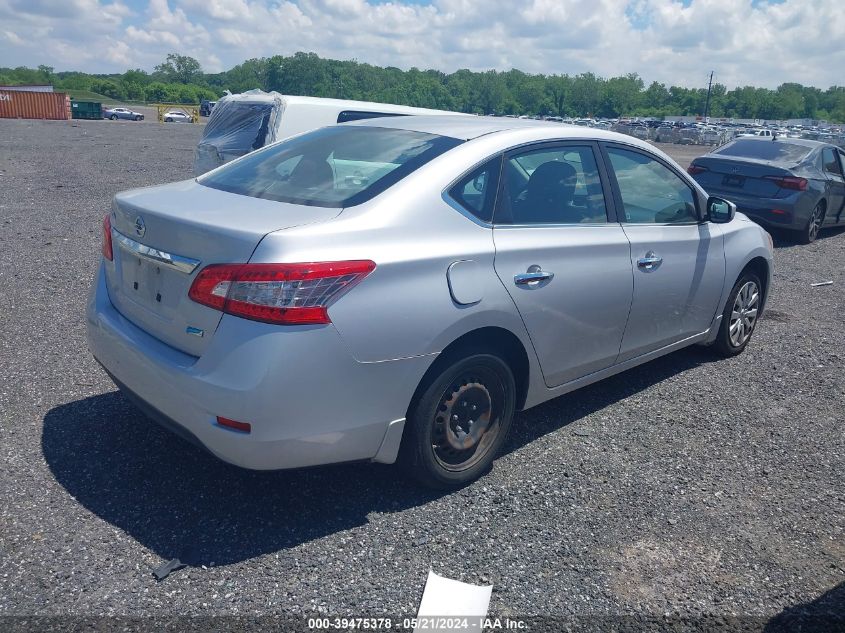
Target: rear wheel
(740, 316)
(460, 421)
(168, 120)
(814, 224)
(113, 117)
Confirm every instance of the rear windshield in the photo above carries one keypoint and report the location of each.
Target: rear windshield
(336, 166)
(238, 127)
(765, 149)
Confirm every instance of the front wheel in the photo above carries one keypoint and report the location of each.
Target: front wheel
(168, 120)
(740, 316)
(113, 117)
(457, 425)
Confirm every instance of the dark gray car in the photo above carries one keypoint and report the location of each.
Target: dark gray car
(795, 184)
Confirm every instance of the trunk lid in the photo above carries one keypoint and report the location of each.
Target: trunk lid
(743, 176)
(163, 236)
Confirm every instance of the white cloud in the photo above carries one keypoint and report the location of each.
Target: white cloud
(745, 42)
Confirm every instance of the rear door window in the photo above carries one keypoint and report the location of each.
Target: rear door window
(552, 185)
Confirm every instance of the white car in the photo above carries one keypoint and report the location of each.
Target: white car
(177, 116)
(242, 123)
(759, 133)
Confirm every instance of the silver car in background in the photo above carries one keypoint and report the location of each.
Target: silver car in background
(398, 288)
(115, 113)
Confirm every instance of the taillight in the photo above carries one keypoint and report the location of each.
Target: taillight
(692, 170)
(789, 182)
(107, 249)
(286, 294)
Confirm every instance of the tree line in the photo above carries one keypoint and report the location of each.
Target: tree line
(180, 79)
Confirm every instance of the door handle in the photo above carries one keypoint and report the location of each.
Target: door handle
(650, 260)
(533, 276)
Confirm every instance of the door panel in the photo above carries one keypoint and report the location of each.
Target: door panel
(566, 267)
(576, 318)
(833, 171)
(677, 297)
(678, 262)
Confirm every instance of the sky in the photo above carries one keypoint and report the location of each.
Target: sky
(678, 42)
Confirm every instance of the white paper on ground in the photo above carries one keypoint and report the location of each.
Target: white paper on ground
(450, 598)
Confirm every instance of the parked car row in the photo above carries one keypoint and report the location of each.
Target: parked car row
(174, 115)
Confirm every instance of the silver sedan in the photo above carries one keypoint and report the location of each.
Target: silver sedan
(399, 288)
(122, 113)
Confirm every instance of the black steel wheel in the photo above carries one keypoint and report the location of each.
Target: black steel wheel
(459, 422)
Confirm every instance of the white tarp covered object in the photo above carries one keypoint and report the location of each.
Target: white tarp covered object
(242, 123)
(238, 125)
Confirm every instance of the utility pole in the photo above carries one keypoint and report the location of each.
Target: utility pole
(707, 103)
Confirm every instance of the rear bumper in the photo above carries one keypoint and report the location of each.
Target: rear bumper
(308, 400)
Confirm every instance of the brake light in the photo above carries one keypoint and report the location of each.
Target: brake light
(692, 170)
(107, 248)
(285, 294)
(789, 182)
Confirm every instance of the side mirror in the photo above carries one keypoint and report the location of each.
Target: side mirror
(719, 210)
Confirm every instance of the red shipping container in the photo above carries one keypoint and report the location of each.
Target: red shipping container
(16, 104)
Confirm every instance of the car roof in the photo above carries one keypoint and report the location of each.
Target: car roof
(469, 127)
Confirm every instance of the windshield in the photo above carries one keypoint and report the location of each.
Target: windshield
(335, 166)
(777, 151)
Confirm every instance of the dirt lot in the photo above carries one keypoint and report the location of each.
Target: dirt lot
(688, 487)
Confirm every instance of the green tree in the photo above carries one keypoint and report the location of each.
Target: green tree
(179, 69)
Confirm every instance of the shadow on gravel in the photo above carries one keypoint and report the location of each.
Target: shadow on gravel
(825, 614)
(783, 238)
(181, 502)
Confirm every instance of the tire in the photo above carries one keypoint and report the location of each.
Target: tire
(810, 232)
(137, 118)
(459, 421)
(742, 308)
(113, 117)
(168, 120)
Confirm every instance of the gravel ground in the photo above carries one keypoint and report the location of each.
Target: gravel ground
(687, 487)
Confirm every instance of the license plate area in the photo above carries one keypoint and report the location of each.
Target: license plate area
(733, 181)
(149, 284)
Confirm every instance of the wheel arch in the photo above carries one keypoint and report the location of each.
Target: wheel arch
(490, 339)
(760, 267)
